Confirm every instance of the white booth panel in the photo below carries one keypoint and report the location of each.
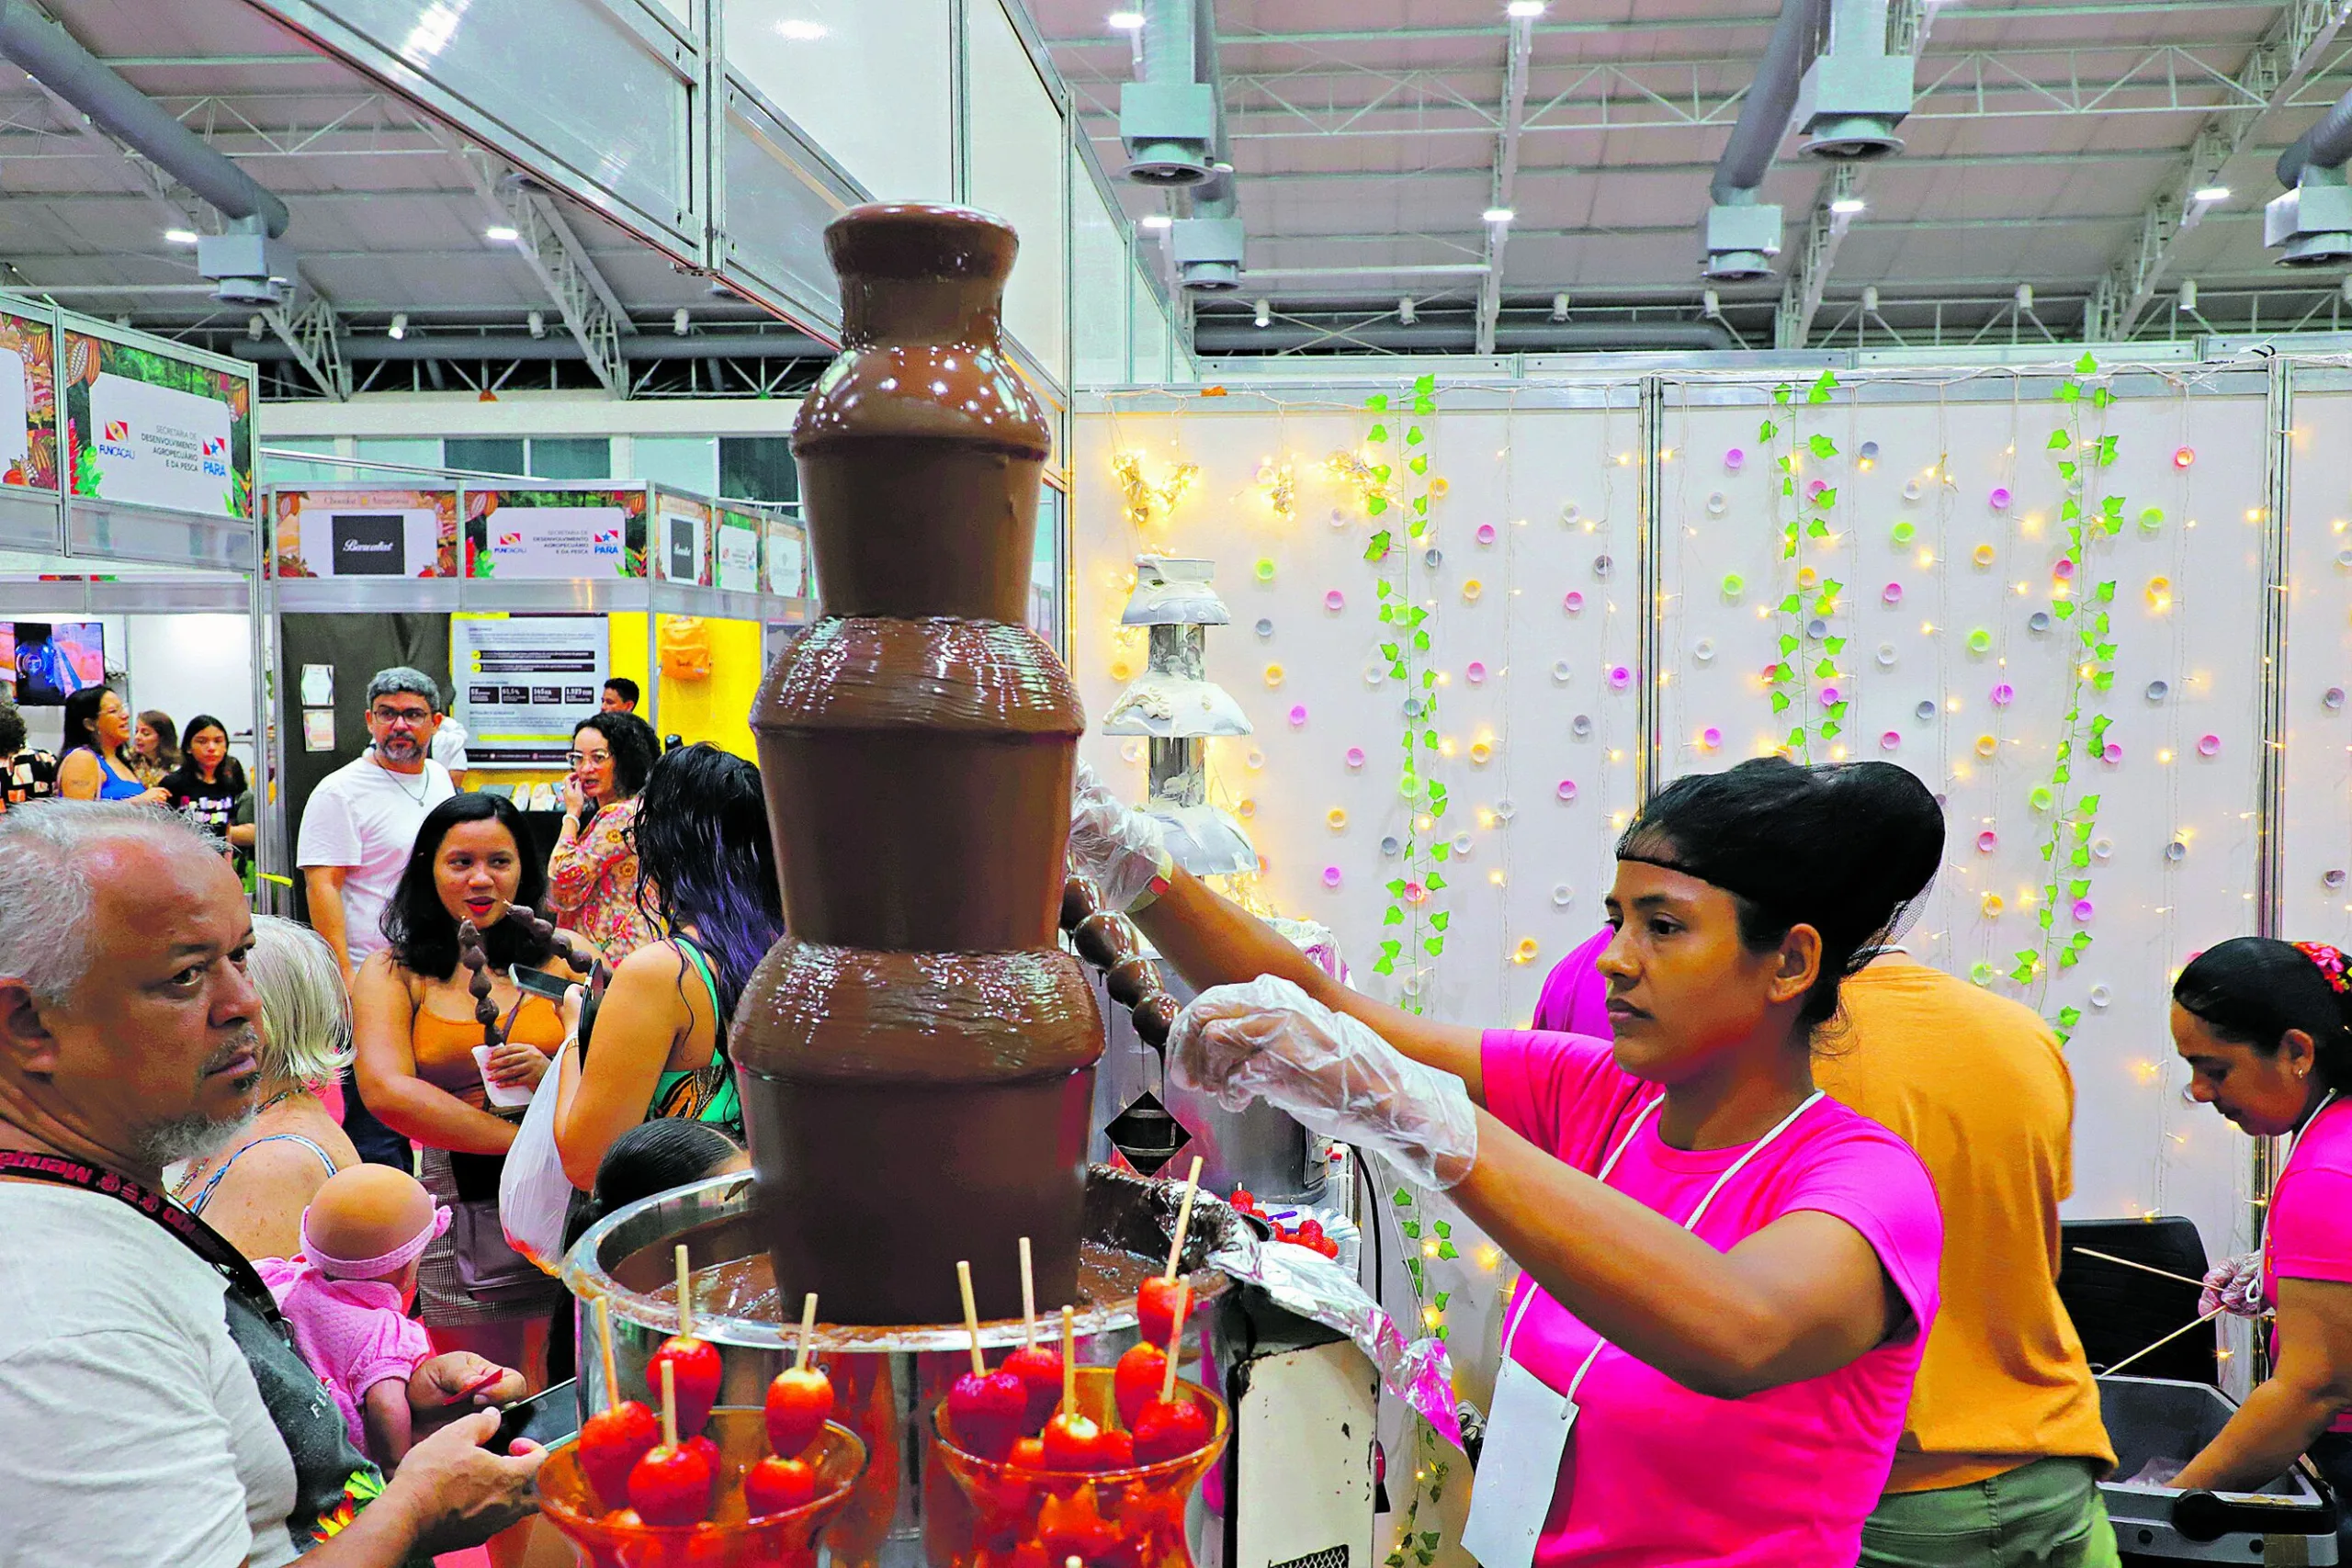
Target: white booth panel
(1146, 330)
(1951, 639)
(868, 81)
(1020, 167)
(1098, 283)
(2316, 849)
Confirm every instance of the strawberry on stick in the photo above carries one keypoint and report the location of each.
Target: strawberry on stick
(1155, 1313)
(984, 1409)
(672, 1485)
(1039, 1369)
(616, 1438)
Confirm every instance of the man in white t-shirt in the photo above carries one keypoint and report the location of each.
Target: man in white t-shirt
(361, 821)
(151, 1412)
(358, 830)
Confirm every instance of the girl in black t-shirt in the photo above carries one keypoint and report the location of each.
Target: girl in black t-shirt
(206, 787)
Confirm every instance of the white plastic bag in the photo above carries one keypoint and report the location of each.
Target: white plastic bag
(533, 1192)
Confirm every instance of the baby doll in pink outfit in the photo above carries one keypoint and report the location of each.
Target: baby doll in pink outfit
(346, 1295)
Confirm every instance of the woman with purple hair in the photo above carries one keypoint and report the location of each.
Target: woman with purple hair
(655, 1045)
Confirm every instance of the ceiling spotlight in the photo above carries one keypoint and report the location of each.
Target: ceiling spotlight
(537, 324)
(2025, 296)
(678, 319)
(1155, 220)
(2347, 290)
(1869, 298)
(1523, 10)
(1498, 215)
(800, 31)
(1125, 21)
(1711, 304)
(254, 328)
(2210, 193)
(399, 328)
(502, 233)
(1265, 316)
(2188, 294)
(1847, 206)
(1559, 307)
(1405, 312)
(181, 236)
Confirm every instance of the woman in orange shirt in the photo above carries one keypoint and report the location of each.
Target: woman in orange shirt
(416, 1033)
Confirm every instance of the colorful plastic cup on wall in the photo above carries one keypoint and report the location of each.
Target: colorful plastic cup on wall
(1355, 757)
(1980, 641)
(1999, 500)
(1335, 601)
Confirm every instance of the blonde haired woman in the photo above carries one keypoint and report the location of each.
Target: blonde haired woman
(253, 1189)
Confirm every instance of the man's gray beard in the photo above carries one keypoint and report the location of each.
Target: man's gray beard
(404, 750)
(191, 1137)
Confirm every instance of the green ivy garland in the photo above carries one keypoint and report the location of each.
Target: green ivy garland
(1790, 673)
(2087, 514)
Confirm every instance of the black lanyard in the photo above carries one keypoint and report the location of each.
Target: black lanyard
(185, 1228)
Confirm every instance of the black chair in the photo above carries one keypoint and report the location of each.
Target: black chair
(2119, 1309)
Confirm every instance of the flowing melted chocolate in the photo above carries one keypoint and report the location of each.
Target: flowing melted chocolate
(916, 1060)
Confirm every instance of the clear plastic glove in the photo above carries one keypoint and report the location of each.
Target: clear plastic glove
(2158, 1472)
(1268, 1040)
(1116, 845)
(2233, 1285)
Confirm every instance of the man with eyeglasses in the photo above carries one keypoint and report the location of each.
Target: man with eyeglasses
(357, 833)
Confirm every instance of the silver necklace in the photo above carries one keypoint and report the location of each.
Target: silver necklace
(423, 780)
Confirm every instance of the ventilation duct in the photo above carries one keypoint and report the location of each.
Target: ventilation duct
(1854, 95)
(2310, 225)
(1743, 234)
(250, 263)
(1168, 120)
(1207, 244)
(1232, 334)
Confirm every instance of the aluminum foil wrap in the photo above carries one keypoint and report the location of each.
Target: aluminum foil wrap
(1306, 1283)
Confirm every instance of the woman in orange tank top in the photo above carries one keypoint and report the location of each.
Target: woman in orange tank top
(417, 1036)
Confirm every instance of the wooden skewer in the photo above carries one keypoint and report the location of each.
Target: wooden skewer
(1183, 1218)
(2202, 1317)
(604, 1334)
(2143, 1267)
(807, 1327)
(971, 1317)
(669, 1403)
(1070, 1363)
(1028, 1297)
(1176, 1342)
(686, 1292)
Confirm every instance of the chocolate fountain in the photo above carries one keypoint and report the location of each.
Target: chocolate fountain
(916, 1058)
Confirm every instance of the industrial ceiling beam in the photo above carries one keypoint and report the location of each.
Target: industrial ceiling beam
(1929, 164)
(1505, 172)
(592, 311)
(311, 336)
(2287, 58)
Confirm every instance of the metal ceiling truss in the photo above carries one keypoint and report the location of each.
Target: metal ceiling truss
(1506, 171)
(2075, 80)
(749, 377)
(592, 311)
(2287, 59)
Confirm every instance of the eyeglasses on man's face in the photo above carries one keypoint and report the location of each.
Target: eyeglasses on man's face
(409, 717)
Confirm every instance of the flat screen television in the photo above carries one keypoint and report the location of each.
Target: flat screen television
(50, 661)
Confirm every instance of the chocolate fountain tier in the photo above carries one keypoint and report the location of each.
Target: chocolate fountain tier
(922, 449)
(878, 1087)
(927, 767)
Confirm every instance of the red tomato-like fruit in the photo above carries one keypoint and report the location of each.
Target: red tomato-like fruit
(611, 1442)
(697, 1362)
(1073, 1443)
(1170, 1428)
(779, 1486)
(1040, 1372)
(671, 1486)
(798, 1406)
(1029, 1453)
(1155, 1309)
(1134, 1381)
(1114, 1449)
(985, 1412)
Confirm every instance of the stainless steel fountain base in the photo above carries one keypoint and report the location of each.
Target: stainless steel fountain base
(886, 1380)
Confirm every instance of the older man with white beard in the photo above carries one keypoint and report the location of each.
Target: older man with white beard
(152, 1408)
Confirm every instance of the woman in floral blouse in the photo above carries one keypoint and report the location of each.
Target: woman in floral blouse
(592, 876)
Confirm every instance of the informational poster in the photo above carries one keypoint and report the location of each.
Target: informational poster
(28, 402)
(787, 560)
(682, 538)
(367, 532)
(542, 533)
(147, 426)
(522, 682)
(739, 553)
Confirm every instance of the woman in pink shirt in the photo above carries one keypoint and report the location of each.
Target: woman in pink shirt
(2265, 1028)
(1726, 1280)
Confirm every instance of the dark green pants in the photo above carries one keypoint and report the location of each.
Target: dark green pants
(2044, 1514)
